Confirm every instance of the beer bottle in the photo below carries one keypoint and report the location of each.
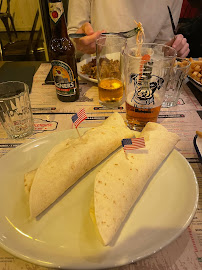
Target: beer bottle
(62, 55)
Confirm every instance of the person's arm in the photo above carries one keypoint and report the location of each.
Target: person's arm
(79, 22)
(78, 13)
(180, 44)
(87, 44)
(166, 34)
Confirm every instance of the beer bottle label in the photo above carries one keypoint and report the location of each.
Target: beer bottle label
(65, 81)
(56, 10)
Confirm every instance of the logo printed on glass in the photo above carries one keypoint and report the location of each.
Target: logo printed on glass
(145, 85)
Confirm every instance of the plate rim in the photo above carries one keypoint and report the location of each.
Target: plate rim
(196, 148)
(82, 75)
(194, 81)
(45, 264)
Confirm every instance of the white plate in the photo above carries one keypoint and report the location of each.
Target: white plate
(86, 59)
(64, 235)
(195, 83)
(85, 76)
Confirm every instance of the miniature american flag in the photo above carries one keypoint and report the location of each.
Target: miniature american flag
(133, 144)
(79, 117)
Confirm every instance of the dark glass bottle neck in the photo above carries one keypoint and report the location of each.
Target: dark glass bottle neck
(58, 29)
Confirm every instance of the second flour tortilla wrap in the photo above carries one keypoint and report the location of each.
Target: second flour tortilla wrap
(120, 182)
(71, 159)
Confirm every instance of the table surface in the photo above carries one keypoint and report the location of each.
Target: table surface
(184, 119)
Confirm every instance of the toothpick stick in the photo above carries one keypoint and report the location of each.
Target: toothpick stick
(78, 132)
(126, 154)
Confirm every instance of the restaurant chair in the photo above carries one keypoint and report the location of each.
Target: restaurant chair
(5, 16)
(1, 51)
(26, 50)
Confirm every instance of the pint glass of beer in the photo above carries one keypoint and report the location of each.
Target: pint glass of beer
(147, 69)
(109, 58)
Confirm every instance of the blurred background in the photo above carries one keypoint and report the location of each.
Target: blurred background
(190, 26)
(25, 30)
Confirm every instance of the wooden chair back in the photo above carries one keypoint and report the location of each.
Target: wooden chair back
(7, 7)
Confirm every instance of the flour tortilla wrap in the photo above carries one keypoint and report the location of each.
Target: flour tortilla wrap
(119, 183)
(67, 162)
(29, 176)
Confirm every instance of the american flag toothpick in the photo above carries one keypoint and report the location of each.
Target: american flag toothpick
(78, 118)
(134, 145)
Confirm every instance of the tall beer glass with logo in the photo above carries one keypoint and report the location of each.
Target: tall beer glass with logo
(147, 69)
(109, 56)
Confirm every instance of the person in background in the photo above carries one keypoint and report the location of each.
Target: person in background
(190, 26)
(93, 17)
(188, 11)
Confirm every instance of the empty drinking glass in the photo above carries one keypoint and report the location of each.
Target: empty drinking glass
(15, 109)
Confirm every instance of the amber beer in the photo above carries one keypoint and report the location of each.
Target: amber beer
(138, 117)
(62, 55)
(110, 90)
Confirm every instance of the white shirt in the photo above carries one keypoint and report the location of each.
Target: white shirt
(119, 15)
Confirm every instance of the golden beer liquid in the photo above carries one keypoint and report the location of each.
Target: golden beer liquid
(138, 117)
(110, 90)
